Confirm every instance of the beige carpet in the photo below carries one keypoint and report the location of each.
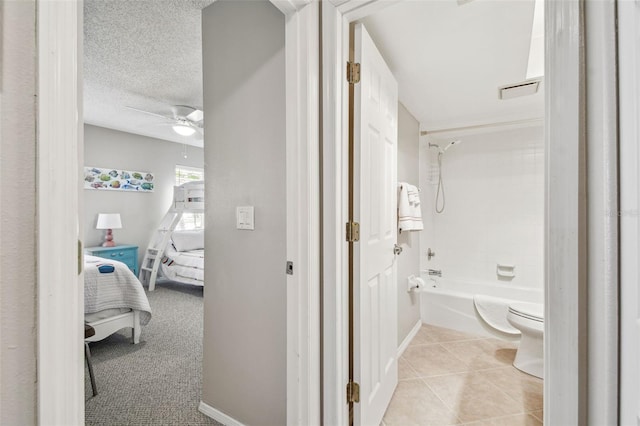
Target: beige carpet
(159, 380)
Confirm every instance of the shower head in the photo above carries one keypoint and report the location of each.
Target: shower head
(452, 143)
(449, 145)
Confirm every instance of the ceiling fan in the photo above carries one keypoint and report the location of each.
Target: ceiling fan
(185, 120)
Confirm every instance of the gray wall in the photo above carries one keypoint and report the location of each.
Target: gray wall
(244, 368)
(409, 260)
(140, 213)
(18, 327)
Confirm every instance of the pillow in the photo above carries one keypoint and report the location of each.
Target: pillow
(188, 240)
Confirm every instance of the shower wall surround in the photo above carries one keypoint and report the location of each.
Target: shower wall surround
(494, 188)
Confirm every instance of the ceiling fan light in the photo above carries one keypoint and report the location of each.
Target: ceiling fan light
(183, 129)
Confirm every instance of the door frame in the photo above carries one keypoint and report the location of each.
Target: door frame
(629, 60)
(603, 300)
(59, 143)
(302, 69)
(60, 295)
(336, 17)
(566, 256)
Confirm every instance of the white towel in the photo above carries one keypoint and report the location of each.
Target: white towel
(409, 214)
(414, 195)
(494, 310)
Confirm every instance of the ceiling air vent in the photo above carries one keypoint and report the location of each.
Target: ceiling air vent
(519, 89)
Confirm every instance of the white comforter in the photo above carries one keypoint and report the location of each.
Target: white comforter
(113, 290)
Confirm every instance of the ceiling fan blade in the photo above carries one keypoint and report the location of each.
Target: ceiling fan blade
(180, 119)
(150, 113)
(183, 111)
(196, 115)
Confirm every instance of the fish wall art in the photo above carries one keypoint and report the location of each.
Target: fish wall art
(111, 179)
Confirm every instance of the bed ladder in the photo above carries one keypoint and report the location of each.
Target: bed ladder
(153, 255)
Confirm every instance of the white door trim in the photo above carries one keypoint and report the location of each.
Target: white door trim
(290, 7)
(60, 297)
(303, 211)
(602, 204)
(354, 10)
(581, 277)
(565, 352)
(60, 355)
(334, 211)
(629, 215)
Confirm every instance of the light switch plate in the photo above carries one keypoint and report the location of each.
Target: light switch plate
(245, 218)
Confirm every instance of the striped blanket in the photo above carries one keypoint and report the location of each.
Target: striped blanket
(186, 267)
(117, 289)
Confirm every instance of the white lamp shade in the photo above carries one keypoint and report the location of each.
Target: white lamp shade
(109, 221)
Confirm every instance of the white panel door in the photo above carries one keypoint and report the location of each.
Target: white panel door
(375, 195)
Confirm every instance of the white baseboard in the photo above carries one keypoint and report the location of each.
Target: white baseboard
(218, 415)
(405, 343)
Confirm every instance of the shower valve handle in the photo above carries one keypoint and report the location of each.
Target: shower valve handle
(430, 254)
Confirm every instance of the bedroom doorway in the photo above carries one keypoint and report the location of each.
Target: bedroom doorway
(66, 409)
(143, 125)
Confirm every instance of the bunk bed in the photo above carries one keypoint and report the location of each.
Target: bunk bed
(113, 299)
(183, 259)
(177, 255)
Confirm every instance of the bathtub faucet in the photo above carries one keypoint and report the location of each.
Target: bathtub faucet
(436, 272)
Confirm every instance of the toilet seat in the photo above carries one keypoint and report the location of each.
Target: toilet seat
(531, 311)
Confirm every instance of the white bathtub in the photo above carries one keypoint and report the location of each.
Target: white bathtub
(448, 303)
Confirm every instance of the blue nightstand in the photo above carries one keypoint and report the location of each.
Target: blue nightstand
(125, 254)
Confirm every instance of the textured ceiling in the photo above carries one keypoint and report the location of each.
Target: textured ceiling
(450, 59)
(145, 54)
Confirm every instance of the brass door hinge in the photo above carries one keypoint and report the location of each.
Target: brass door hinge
(353, 231)
(353, 72)
(353, 392)
(80, 257)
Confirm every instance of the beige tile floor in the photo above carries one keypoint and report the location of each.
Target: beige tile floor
(450, 378)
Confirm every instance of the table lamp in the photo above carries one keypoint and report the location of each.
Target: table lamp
(109, 221)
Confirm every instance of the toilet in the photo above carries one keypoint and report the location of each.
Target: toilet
(529, 319)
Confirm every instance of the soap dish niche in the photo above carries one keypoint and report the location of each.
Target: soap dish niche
(506, 271)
